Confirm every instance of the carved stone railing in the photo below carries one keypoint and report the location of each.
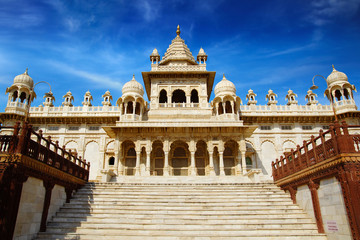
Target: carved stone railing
(328, 144)
(25, 154)
(334, 153)
(43, 150)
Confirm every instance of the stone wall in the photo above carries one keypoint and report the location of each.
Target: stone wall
(336, 223)
(332, 207)
(31, 207)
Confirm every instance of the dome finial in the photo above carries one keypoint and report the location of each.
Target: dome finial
(26, 71)
(224, 76)
(178, 30)
(133, 77)
(333, 67)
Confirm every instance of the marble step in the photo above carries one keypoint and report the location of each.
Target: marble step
(110, 204)
(237, 215)
(179, 232)
(73, 236)
(184, 227)
(190, 220)
(97, 208)
(180, 213)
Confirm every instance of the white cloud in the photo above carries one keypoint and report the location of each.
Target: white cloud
(149, 9)
(26, 14)
(103, 80)
(326, 11)
(290, 50)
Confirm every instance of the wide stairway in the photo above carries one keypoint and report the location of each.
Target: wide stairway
(181, 211)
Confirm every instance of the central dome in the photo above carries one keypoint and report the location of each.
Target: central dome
(225, 87)
(133, 87)
(24, 79)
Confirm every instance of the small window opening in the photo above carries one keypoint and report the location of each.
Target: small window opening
(15, 95)
(194, 96)
(111, 161)
(338, 95)
(22, 97)
(163, 96)
(228, 107)
(130, 107)
(178, 96)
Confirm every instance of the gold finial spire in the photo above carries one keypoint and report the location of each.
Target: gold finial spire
(333, 68)
(178, 30)
(26, 71)
(133, 77)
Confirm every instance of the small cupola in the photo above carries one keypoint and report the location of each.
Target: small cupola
(311, 98)
(107, 98)
(251, 97)
(133, 87)
(49, 99)
(201, 57)
(87, 99)
(155, 57)
(340, 92)
(271, 98)
(291, 98)
(68, 99)
(225, 87)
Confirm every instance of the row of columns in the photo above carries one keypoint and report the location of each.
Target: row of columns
(240, 160)
(223, 106)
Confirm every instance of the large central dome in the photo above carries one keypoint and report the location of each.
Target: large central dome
(178, 51)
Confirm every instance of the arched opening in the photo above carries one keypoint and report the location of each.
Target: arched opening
(111, 161)
(22, 97)
(15, 96)
(230, 154)
(178, 96)
(220, 108)
(137, 108)
(248, 161)
(157, 158)
(130, 107)
(179, 158)
(201, 158)
(130, 161)
(194, 96)
(338, 95)
(346, 94)
(228, 107)
(252, 98)
(163, 96)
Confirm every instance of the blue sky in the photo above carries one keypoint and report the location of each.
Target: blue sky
(93, 45)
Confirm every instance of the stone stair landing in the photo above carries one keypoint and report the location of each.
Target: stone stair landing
(181, 211)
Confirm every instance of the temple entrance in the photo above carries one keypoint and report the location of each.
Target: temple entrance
(129, 158)
(201, 158)
(179, 159)
(157, 156)
(230, 153)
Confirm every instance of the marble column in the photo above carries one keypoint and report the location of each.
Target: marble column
(147, 173)
(192, 164)
(211, 164)
(243, 160)
(137, 167)
(166, 163)
(221, 163)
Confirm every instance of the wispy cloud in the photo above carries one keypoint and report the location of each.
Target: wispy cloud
(102, 80)
(326, 11)
(290, 50)
(149, 9)
(20, 14)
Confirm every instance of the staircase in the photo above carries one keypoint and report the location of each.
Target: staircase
(181, 211)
